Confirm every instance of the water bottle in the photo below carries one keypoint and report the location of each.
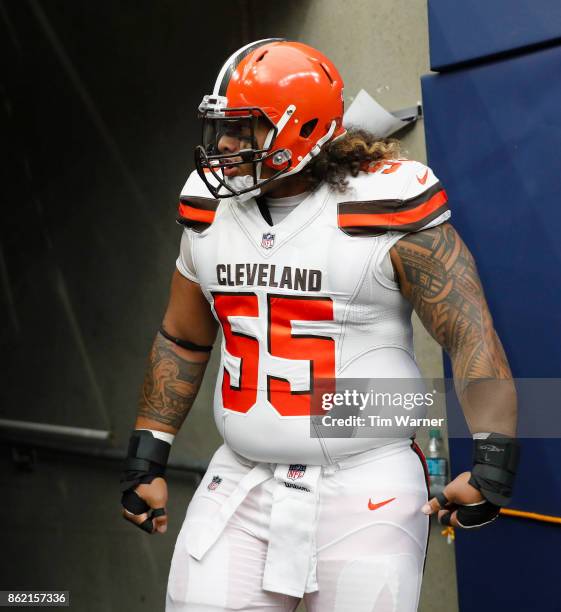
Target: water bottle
(436, 463)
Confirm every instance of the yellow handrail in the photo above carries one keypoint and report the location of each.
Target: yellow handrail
(448, 532)
(534, 516)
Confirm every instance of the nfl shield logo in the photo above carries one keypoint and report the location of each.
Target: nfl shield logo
(216, 480)
(296, 471)
(268, 240)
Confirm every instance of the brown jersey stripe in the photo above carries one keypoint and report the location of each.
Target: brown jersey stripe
(388, 206)
(197, 212)
(200, 202)
(395, 218)
(376, 230)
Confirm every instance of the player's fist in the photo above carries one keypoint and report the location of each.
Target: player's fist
(145, 506)
(461, 505)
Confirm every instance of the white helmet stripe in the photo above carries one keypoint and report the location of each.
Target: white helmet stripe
(231, 63)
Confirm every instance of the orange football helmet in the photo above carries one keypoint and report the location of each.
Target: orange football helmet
(294, 88)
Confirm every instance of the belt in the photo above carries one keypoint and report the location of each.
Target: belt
(202, 539)
(291, 562)
(290, 565)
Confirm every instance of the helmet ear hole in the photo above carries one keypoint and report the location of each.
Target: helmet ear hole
(308, 128)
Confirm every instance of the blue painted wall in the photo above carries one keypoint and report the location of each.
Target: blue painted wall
(463, 31)
(494, 139)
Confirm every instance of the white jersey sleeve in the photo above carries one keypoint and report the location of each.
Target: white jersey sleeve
(185, 263)
(394, 198)
(420, 185)
(197, 209)
(424, 199)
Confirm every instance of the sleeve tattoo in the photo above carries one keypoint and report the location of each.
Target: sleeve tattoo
(170, 385)
(438, 276)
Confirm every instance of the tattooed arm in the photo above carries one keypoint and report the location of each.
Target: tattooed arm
(174, 374)
(171, 383)
(437, 274)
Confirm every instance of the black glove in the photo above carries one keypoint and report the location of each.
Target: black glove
(146, 459)
(469, 516)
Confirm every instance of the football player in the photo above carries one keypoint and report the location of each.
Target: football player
(309, 246)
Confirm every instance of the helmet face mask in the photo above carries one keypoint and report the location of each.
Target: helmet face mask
(275, 103)
(241, 128)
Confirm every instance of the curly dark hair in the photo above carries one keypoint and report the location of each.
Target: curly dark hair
(355, 151)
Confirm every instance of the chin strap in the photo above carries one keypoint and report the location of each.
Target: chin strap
(314, 152)
(240, 182)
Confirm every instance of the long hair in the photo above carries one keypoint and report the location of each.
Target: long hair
(350, 154)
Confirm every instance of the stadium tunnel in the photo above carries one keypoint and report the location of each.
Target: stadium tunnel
(99, 121)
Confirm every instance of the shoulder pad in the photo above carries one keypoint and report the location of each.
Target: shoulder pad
(401, 195)
(197, 206)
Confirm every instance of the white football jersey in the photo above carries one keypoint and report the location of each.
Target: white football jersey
(303, 300)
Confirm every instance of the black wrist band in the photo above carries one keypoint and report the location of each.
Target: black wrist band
(143, 445)
(146, 459)
(495, 460)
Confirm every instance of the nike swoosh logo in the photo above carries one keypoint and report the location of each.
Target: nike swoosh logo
(372, 506)
(423, 179)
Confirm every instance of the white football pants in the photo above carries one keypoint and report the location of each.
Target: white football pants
(348, 537)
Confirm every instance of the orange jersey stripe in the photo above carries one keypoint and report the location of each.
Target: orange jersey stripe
(196, 214)
(395, 218)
